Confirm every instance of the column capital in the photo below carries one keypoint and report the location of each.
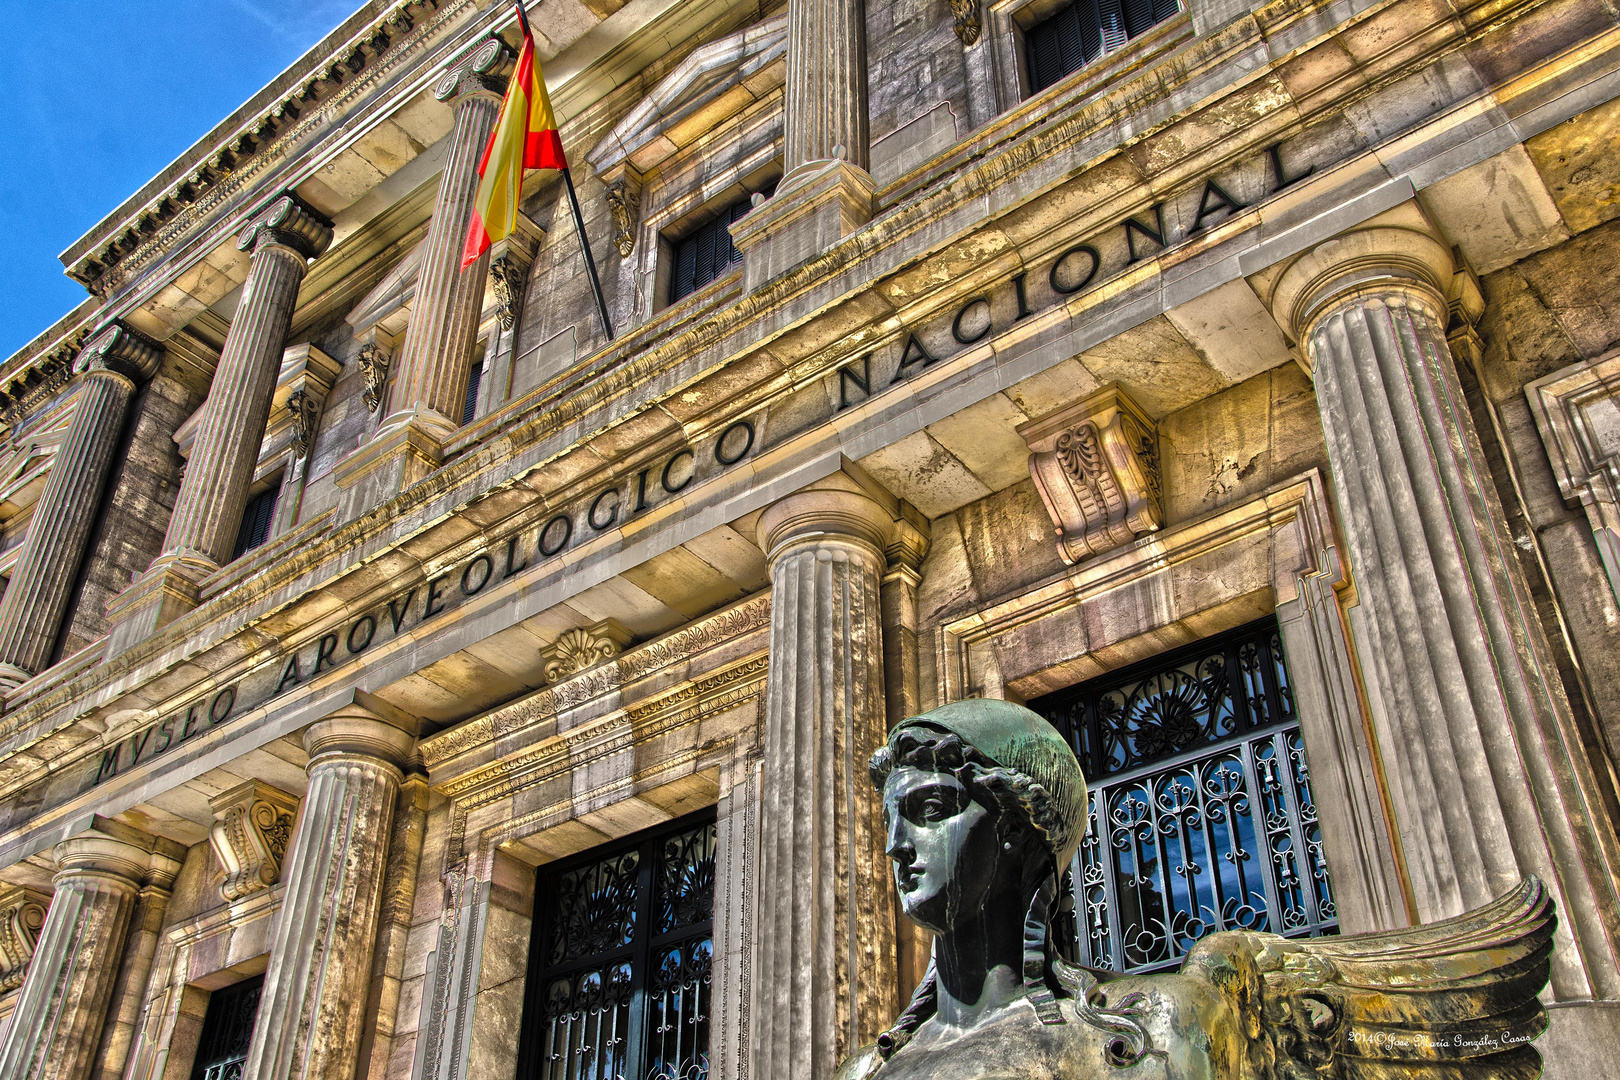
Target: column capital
(481, 70)
(364, 727)
(286, 221)
(118, 349)
(846, 505)
(112, 849)
(1380, 257)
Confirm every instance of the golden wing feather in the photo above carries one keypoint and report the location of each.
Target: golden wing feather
(1452, 1000)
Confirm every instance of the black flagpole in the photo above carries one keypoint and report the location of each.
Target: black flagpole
(579, 218)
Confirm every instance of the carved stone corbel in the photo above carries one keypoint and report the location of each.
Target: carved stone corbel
(374, 358)
(253, 824)
(575, 650)
(967, 20)
(624, 203)
(509, 262)
(1096, 466)
(22, 913)
(307, 375)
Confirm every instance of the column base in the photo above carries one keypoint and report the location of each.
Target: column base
(172, 587)
(403, 453)
(815, 206)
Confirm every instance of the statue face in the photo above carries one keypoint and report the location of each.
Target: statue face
(945, 847)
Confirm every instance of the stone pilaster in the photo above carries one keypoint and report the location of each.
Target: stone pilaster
(57, 1026)
(282, 238)
(34, 604)
(824, 979)
(312, 1012)
(431, 371)
(1485, 766)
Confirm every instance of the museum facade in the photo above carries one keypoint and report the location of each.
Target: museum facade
(407, 676)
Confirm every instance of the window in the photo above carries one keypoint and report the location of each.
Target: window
(707, 251)
(226, 1031)
(1201, 810)
(619, 960)
(470, 407)
(1075, 35)
(256, 518)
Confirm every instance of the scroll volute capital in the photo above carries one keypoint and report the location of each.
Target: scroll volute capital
(117, 348)
(1096, 466)
(253, 825)
(286, 221)
(484, 69)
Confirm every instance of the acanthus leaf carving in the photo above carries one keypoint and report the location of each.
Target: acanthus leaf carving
(1096, 466)
(253, 825)
(966, 13)
(374, 359)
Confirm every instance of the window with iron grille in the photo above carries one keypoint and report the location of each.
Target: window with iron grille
(226, 1031)
(619, 960)
(470, 406)
(257, 516)
(707, 251)
(1075, 35)
(1201, 811)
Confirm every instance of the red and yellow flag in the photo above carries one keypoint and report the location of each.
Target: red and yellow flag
(525, 137)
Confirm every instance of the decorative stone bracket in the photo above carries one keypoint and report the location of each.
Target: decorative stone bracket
(22, 913)
(253, 823)
(374, 359)
(509, 261)
(307, 376)
(966, 13)
(1578, 412)
(575, 650)
(1096, 466)
(624, 202)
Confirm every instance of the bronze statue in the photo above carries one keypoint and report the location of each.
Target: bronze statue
(985, 803)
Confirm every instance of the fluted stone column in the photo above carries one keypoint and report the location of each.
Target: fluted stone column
(312, 1011)
(826, 192)
(824, 106)
(31, 612)
(55, 1031)
(207, 514)
(1486, 769)
(435, 360)
(824, 979)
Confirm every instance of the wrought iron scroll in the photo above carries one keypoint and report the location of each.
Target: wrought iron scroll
(1201, 811)
(620, 984)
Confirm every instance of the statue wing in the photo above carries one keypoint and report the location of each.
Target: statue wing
(1452, 1000)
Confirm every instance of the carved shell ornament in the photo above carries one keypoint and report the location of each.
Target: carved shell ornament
(576, 650)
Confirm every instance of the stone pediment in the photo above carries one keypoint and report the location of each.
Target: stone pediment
(713, 84)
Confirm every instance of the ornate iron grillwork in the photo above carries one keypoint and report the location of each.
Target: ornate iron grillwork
(620, 961)
(227, 1030)
(1201, 811)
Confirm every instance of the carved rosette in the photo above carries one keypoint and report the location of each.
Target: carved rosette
(624, 203)
(374, 359)
(967, 20)
(1096, 466)
(576, 650)
(22, 913)
(253, 823)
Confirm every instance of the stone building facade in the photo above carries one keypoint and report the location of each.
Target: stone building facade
(405, 679)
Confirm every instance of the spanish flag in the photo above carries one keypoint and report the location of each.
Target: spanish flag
(525, 137)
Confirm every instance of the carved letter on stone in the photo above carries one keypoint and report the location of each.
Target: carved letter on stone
(1096, 465)
(22, 913)
(576, 650)
(252, 824)
(373, 360)
(967, 20)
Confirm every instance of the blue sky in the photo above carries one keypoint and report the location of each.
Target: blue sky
(102, 94)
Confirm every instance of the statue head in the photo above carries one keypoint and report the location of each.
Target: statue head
(979, 796)
(986, 805)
